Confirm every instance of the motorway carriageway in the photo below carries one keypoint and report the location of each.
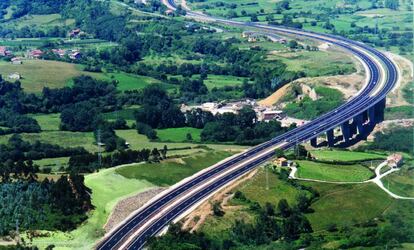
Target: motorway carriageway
(133, 232)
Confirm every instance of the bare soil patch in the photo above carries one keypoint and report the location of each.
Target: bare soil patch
(406, 75)
(195, 219)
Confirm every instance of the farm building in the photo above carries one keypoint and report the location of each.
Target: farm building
(16, 60)
(4, 51)
(35, 54)
(395, 160)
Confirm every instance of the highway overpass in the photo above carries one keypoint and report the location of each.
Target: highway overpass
(355, 119)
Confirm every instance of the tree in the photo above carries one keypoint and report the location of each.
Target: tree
(254, 18)
(217, 210)
(302, 202)
(293, 44)
(164, 152)
(283, 208)
(279, 152)
(246, 117)
(155, 155)
(81, 116)
(189, 137)
(392, 4)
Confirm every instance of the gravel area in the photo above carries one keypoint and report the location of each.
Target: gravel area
(126, 206)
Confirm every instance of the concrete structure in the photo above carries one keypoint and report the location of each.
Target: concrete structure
(14, 76)
(354, 130)
(16, 60)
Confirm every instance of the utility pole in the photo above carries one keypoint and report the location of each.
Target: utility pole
(17, 232)
(267, 178)
(98, 138)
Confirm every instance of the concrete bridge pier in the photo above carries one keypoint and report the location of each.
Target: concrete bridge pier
(380, 108)
(359, 120)
(314, 142)
(346, 131)
(330, 137)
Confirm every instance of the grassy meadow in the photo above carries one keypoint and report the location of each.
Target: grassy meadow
(62, 138)
(256, 189)
(309, 62)
(138, 141)
(178, 134)
(37, 74)
(330, 172)
(344, 155)
(356, 203)
(171, 171)
(49, 20)
(402, 181)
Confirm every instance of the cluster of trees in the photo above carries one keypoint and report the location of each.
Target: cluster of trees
(88, 162)
(393, 139)
(39, 7)
(85, 88)
(158, 110)
(47, 205)
(271, 224)
(16, 149)
(242, 128)
(16, 123)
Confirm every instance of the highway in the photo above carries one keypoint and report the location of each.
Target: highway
(172, 204)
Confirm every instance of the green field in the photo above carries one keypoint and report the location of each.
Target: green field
(53, 163)
(309, 62)
(47, 122)
(138, 141)
(402, 181)
(219, 81)
(344, 155)
(178, 134)
(39, 21)
(171, 171)
(345, 205)
(105, 194)
(61, 138)
(126, 113)
(37, 74)
(256, 189)
(330, 172)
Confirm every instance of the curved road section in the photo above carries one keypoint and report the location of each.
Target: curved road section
(183, 197)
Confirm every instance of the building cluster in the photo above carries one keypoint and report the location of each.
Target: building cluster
(255, 36)
(283, 162)
(72, 54)
(263, 113)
